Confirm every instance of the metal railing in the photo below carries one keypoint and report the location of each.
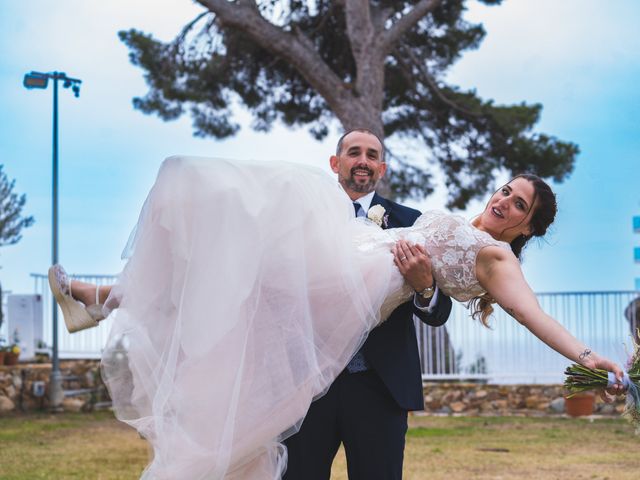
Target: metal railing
(509, 353)
(464, 350)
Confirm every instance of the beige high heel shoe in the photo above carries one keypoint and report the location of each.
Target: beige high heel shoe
(76, 315)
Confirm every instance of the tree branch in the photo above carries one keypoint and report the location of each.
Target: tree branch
(295, 48)
(405, 23)
(190, 25)
(430, 82)
(369, 61)
(359, 28)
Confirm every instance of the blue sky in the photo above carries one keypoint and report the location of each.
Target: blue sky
(580, 59)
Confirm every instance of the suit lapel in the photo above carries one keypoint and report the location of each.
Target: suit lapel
(378, 200)
(384, 203)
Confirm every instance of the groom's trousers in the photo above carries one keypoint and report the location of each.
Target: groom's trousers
(359, 412)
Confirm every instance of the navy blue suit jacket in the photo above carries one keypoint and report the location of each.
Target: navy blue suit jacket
(392, 348)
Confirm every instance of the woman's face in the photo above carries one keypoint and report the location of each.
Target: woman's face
(509, 210)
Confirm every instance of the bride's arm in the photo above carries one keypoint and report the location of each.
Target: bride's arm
(499, 273)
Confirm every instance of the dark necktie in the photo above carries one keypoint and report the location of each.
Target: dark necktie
(357, 207)
(358, 363)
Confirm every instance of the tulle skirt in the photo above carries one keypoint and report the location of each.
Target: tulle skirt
(242, 299)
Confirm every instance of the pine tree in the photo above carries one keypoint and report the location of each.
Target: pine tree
(11, 221)
(378, 64)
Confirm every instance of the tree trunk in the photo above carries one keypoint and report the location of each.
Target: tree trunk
(358, 104)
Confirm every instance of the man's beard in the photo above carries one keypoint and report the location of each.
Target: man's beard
(349, 183)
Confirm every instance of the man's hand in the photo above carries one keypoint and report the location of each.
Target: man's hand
(414, 264)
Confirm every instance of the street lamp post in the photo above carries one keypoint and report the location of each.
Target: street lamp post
(40, 80)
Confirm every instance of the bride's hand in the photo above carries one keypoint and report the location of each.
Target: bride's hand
(607, 394)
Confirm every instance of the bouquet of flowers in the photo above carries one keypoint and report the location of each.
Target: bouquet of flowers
(580, 379)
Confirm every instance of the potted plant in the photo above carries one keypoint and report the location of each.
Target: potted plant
(4, 348)
(12, 353)
(42, 352)
(579, 404)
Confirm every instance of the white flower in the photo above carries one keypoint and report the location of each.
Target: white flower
(451, 257)
(376, 214)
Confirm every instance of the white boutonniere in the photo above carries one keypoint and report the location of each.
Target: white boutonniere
(377, 216)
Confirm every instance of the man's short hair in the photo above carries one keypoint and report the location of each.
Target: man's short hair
(363, 130)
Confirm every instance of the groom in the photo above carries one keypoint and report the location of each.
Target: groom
(366, 407)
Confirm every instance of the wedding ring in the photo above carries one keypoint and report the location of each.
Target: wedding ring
(402, 259)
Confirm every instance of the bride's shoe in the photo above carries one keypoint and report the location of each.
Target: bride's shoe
(76, 315)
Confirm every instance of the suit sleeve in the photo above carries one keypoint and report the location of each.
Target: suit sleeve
(439, 313)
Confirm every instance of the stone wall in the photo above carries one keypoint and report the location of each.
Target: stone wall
(483, 399)
(17, 391)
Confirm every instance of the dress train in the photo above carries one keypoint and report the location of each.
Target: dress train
(242, 299)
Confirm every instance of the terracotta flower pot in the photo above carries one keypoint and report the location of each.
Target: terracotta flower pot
(579, 405)
(11, 358)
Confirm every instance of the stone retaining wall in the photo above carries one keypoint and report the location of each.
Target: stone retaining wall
(17, 385)
(17, 393)
(483, 399)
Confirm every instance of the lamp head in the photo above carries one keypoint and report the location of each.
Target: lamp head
(35, 80)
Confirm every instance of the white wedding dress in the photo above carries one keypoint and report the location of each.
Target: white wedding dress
(249, 286)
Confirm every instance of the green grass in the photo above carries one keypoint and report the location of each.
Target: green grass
(96, 446)
(69, 446)
(445, 448)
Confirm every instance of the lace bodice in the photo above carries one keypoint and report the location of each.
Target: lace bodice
(453, 244)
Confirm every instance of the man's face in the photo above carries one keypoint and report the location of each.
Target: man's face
(359, 164)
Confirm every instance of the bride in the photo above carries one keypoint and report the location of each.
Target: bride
(249, 286)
